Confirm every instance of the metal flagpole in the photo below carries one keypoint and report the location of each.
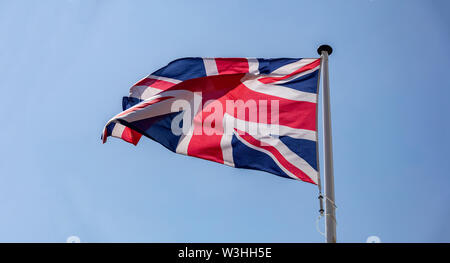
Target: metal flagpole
(330, 208)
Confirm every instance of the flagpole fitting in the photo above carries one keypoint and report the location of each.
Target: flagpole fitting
(321, 210)
(326, 48)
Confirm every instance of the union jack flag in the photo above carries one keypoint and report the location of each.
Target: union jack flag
(210, 108)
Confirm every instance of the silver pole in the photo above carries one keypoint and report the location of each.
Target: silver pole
(330, 208)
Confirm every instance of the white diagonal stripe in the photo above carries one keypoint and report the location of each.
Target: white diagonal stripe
(185, 139)
(143, 92)
(160, 108)
(175, 81)
(290, 156)
(294, 76)
(291, 67)
(280, 91)
(263, 129)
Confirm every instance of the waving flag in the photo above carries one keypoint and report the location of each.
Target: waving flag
(242, 112)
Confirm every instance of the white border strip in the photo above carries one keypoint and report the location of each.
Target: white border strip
(210, 66)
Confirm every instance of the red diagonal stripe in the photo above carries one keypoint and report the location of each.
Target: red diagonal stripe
(311, 65)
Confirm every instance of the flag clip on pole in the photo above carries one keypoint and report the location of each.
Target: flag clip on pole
(330, 208)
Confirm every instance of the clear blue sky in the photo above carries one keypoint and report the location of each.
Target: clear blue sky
(65, 65)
